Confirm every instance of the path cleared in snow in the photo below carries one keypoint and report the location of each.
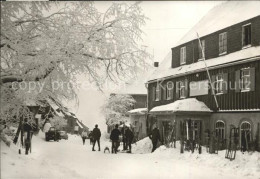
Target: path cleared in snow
(70, 159)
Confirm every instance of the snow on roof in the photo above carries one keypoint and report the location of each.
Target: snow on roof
(244, 54)
(137, 87)
(55, 108)
(190, 104)
(222, 16)
(138, 111)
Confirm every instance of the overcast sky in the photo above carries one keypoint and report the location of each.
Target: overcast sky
(169, 21)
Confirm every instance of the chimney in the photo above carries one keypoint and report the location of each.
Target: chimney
(156, 64)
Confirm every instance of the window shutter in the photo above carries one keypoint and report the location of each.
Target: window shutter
(171, 92)
(160, 92)
(225, 83)
(153, 93)
(252, 79)
(237, 81)
(213, 81)
(186, 91)
(164, 92)
(177, 90)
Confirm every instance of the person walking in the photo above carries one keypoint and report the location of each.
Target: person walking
(114, 136)
(129, 138)
(28, 133)
(155, 137)
(84, 135)
(96, 134)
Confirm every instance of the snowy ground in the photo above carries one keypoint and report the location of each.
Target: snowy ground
(70, 159)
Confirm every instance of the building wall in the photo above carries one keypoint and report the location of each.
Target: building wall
(141, 101)
(234, 42)
(236, 119)
(177, 118)
(230, 101)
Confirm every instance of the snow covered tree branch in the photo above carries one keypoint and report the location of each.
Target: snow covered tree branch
(50, 42)
(116, 108)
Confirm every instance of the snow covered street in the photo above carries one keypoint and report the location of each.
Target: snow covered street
(70, 159)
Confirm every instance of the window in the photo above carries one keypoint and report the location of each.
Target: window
(220, 129)
(183, 55)
(219, 84)
(157, 92)
(246, 35)
(245, 79)
(203, 49)
(182, 89)
(245, 134)
(169, 90)
(195, 130)
(222, 43)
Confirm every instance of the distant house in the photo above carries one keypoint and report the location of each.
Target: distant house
(181, 92)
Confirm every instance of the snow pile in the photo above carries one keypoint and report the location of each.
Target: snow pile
(143, 146)
(245, 164)
(138, 111)
(71, 159)
(190, 104)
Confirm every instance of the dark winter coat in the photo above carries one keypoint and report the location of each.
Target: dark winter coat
(129, 135)
(96, 134)
(155, 135)
(123, 132)
(27, 127)
(114, 136)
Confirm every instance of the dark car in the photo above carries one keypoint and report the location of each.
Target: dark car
(63, 135)
(52, 134)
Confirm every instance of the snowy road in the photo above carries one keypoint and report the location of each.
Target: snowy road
(70, 159)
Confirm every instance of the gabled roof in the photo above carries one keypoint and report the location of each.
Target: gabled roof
(187, 105)
(252, 53)
(223, 15)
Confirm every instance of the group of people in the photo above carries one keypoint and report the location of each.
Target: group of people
(127, 136)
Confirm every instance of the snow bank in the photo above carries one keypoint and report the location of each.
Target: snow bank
(245, 164)
(71, 159)
(143, 146)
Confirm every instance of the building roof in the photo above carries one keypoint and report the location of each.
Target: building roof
(221, 16)
(187, 105)
(138, 111)
(238, 56)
